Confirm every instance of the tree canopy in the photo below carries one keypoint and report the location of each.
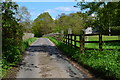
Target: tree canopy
(107, 12)
(43, 24)
(24, 18)
(11, 32)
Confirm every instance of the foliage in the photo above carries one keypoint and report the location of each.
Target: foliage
(27, 42)
(105, 62)
(75, 21)
(107, 12)
(43, 24)
(13, 50)
(115, 30)
(11, 32)
(24, 17)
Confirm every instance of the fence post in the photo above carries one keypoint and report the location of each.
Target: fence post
(82, 40)
(74, 40)
(69, 35)
(71, 40)
(100, 41)
(68, 39)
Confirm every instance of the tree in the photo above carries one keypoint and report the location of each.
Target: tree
(43, 24)
(11, 32)
(24, 17)
(107, 12)
(75, 21)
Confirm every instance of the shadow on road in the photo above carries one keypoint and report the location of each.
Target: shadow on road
(51, 50)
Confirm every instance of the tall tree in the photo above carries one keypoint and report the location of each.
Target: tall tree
(11, 32)
(107, 12)
(75, 21)
(43, 24)
(24, 16)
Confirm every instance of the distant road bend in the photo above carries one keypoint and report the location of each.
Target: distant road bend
(43, 60)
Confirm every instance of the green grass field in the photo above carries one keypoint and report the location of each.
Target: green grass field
(96, 45)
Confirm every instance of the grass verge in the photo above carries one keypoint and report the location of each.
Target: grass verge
(105, 64)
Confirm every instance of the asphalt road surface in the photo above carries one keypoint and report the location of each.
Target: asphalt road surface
(43, 60)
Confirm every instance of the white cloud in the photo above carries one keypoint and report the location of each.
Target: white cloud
(50, 10)
(66, 9)
(62, 9)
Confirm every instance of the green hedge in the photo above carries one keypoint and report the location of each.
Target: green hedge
(105, 62)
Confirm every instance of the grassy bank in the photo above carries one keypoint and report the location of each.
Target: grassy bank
(5, 66)
(106, 63)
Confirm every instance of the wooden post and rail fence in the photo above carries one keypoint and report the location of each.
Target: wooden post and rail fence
(72, 40)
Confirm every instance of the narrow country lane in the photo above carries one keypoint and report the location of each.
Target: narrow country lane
(43, 60)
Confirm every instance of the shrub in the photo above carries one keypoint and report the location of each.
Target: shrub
(13, 55)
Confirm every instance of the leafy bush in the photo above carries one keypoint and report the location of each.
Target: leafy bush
(12, 32)
(13, 55)
(106, 62)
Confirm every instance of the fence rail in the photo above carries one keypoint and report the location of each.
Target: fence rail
(73, 40)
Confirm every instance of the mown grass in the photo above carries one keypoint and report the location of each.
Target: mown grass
(105, 63)
(96, 45)
(5, 66)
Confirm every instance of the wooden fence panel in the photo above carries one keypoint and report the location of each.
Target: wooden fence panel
(72, 38)
(100, 42)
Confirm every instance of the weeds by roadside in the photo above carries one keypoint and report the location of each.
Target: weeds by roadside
(5, 66)
(106, 63)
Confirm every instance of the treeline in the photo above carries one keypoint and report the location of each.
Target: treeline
(44, 24)
(106, 16)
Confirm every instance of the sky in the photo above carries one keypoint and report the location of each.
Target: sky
(50, 0)
(54, 8)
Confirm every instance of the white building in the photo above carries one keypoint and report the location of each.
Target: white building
(88, 30)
